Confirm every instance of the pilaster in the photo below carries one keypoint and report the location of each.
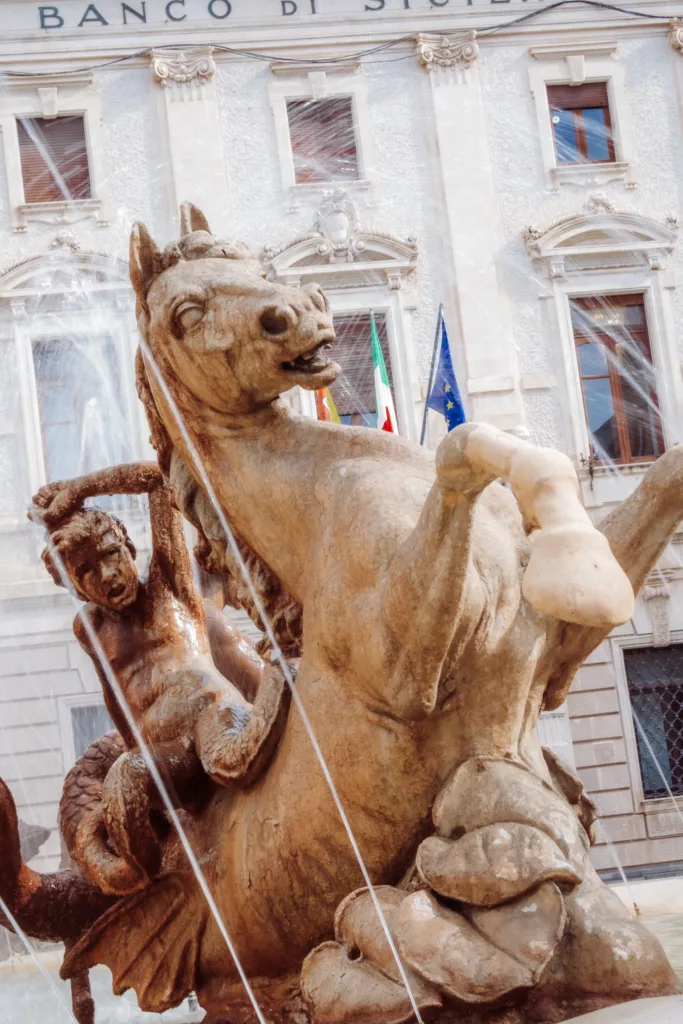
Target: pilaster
(197, 167)
(477, 302)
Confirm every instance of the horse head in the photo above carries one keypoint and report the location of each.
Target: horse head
(234, 339)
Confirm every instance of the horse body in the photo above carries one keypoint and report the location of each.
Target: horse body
(438, 607)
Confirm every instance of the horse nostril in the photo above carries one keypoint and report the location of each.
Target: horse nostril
(273, 322)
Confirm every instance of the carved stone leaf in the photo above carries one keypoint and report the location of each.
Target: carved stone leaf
(529, 928)
(446, 950)
(493, 864)
(337, 988)
(358, 927)
(486, 791)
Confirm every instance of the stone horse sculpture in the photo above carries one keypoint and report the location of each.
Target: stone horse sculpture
(442, 611)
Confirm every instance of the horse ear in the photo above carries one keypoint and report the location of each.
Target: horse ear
(144, 261)
(192, 219)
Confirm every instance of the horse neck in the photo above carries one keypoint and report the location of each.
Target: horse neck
(263, 482)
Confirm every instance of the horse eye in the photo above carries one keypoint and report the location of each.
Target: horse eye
(189, 315)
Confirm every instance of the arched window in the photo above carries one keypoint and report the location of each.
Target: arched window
(67, 391)
(609, 282)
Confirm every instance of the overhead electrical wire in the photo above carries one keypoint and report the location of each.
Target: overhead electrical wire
(350, 57)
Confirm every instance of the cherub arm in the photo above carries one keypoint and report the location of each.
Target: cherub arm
(170, 556)
(60, 499)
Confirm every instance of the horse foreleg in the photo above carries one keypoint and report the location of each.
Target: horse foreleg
(572, 574)
(638, 531)
(432, 587)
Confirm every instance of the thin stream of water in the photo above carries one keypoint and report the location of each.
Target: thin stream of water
(277, 652)
(158, 781)
(34, 956)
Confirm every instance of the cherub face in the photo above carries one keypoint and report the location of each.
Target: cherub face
(105, 573)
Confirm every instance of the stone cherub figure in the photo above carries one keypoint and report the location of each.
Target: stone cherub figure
(154, 637)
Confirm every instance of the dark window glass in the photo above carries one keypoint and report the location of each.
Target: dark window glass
(655, 682)
(323, 140)
(54, 159)
(617, 378)
(354, 389)
(89, 722)
(581, 122)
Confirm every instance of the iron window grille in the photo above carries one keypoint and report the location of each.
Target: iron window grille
(655, 684)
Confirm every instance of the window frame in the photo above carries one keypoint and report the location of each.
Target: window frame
(66, 731)
(309, 82)
(42, 328)
(19, 125)
(615, 383)
(655, 808)
(50, 98)
(582, 64)
(380, 313)
(329, 183)
(580, 126)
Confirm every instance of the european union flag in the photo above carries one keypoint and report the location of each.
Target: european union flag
(445, 394)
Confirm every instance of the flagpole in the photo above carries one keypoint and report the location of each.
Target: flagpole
(431, 371)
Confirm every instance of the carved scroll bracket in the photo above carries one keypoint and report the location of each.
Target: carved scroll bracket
(435, 51)
(676, 34)
(185, 69)
(657, 594)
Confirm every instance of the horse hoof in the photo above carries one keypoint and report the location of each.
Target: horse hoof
(573, 576)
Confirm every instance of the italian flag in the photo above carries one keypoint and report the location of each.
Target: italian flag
(325, 407)
(386, 414)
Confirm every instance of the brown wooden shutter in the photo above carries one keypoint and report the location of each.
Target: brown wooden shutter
(578, 97)
(323, 139)
(53, 151)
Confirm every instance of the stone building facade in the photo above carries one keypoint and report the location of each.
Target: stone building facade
(404, 155)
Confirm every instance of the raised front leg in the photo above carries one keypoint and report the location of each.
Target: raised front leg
(432, 586)
(638, 531)
(572, 574)
(433, 591)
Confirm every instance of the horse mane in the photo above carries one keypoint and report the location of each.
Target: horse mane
(213, 554)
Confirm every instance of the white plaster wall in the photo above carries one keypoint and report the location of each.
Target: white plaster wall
(523, 198)
(402, 204)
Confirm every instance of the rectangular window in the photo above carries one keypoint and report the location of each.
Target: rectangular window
(353, 391)
(83, 421)
(617, 378)
(88, 723)
(323, 138)
(655, 683)
(54, 159)
(581, 122)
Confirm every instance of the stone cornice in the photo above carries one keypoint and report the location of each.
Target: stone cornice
(676, 34)
(434, 51)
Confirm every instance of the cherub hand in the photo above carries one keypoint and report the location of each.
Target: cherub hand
(55, 501)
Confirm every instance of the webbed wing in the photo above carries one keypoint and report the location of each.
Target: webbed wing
(150, 941)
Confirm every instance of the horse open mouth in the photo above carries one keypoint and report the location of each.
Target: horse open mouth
(313, 361)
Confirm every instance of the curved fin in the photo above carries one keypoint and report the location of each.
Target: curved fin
(150, 942)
